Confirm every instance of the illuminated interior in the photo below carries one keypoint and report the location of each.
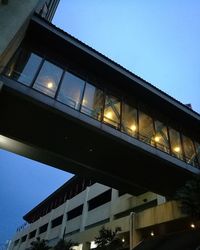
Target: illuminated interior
(79, 93)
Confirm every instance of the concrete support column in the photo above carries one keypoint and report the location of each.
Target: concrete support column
(27, 238)
(49, 225)
(64, 222)
(135, 235)
(114, 197)
(37, 228)
(85, 210)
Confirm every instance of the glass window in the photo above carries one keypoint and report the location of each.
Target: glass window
(92, 103)
(57, 221)
(71, 90)
(112, 111)
(189, 150)
(161, 137)
(23, 67)
(197, 146)
(146, 129)
(48, 79)
(129, 120)
(175, 142)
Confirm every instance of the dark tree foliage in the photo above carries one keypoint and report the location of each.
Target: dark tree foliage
(108, 239)
(189, 196)
(39, 245)
(65, 245)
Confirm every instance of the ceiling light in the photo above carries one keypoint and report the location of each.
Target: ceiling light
(157, 138)
(133, 127)
(109, 115)
(50, 85)
(85, 101)
(177, 149)
(123, 240)
(152, 233)
(192, 225)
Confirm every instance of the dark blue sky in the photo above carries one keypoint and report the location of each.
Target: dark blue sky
(157, 40)
(23, 184)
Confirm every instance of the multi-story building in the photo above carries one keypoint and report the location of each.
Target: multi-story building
(67, 105)
(78, 209)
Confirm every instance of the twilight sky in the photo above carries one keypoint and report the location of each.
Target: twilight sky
(157, 40)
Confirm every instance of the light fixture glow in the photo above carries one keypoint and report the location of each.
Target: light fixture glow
(133, 127)
(50, 85)
(177, 149)
(157, 138)
(192, 225)
(85, 101)
(109, 115)
(123, 240)
(152, 233)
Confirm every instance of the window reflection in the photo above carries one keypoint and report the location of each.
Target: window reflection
(92, 103)
(146, 129)
(23, 67)
(112, 111)
(71, 90)
(189, 150)
(129, 120)
(48, 79)
(161, 137)
(175, 142)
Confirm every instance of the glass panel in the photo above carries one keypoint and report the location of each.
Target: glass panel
(189, 150)
(129, 120)
(197, 146)
(23, 67)
(161, 137)
(112, 111)
(175, 143)
(71, 90)
(92, 103)
(146, 129)
(48, 79)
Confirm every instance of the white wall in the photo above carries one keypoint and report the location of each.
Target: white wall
(105, 211)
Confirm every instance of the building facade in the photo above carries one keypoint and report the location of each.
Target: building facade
(64, 104)
(78, 210)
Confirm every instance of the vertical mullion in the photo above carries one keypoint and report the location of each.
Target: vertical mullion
(183, 150)
(196, 154)
(137, 118)
(59, 84)
(168, 134)
(120, 116)
(154, 131)
(81, 99)
(104, 103)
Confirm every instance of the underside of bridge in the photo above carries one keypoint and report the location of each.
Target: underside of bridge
(47, 135)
